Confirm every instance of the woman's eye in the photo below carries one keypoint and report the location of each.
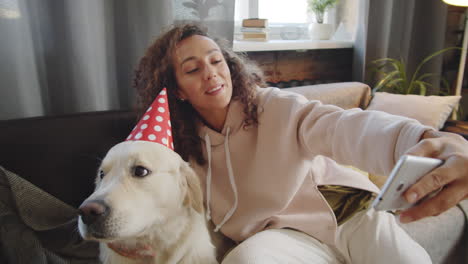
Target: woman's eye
(216, 61)
(101, 174)
(192, 71)
(140, 171)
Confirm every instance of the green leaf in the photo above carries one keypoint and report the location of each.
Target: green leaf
(445, 89)
(397, 66)
(385, 80)
(428, 58)
(422, 90)
(318, 7)
(384, 60)
(427, 76)
(422, 87)
(395, 82)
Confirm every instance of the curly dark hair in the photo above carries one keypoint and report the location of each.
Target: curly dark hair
(155, 71)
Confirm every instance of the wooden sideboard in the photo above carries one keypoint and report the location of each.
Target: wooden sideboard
(302, 67)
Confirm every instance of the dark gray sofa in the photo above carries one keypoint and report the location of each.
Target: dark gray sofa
(60, 155)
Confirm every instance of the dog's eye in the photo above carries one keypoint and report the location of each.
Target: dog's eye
(101, 174)
(140, 171)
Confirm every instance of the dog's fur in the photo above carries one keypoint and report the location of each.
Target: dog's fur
(163, 209)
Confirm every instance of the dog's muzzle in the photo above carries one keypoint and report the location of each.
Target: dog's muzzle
(94, 215)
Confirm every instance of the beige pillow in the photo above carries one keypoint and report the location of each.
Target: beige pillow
(429, 110)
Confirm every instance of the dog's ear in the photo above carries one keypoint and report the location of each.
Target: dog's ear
(193, 195)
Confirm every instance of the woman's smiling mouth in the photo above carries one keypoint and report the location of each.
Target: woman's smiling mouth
(215, 90)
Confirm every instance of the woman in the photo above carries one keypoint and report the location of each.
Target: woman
(263, 155)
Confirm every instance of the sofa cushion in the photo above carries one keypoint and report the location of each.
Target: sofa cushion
(429, 110)
(345, 94)
(37, 228)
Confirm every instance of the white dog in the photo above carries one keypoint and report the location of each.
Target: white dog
(147, 195)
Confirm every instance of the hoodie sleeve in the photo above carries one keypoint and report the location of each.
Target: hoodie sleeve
(370, 140)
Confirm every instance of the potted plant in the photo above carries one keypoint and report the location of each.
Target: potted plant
(319, 30)
(391, 76)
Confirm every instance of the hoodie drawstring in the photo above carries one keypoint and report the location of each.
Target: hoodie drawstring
(231, 180)
(208, 178)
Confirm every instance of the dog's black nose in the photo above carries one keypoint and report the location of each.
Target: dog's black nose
(90, 211)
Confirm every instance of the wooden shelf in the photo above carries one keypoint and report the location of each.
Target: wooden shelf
(271, 45)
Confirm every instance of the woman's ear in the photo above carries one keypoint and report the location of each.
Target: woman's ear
(180, 95)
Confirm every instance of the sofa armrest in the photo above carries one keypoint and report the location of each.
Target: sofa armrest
(444, 236)
(344, 94)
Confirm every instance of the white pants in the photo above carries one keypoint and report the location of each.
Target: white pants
(368, 237)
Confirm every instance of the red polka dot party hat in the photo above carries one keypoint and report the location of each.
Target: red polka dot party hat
(155, 125)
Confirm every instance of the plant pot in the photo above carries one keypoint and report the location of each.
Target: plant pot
(320, 31)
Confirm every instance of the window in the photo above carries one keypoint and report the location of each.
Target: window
(290, 15)
(296, 10)
(289, 20)
(290, 11)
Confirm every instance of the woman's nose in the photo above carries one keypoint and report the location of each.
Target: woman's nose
(210, 73)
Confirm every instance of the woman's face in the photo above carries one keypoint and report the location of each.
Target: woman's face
(203, 76)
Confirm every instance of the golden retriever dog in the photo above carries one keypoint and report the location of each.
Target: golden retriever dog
(147, 195)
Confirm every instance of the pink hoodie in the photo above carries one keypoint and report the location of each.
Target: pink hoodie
(267, 176)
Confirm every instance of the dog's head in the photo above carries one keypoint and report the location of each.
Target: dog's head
(139, 185)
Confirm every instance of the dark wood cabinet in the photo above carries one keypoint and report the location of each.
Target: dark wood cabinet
(302, 67)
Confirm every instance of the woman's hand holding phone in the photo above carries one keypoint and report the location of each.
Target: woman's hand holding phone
(408, 170)
(451, 177)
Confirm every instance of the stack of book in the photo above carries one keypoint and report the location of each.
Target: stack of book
(255, 29)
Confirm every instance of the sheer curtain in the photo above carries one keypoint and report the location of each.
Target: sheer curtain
(352, 16)
(70, 56)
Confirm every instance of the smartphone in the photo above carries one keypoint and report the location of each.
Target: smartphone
(408, 170)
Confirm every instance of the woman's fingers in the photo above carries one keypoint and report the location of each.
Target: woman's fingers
(433, 181)
(444, 200)
(451, 177)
